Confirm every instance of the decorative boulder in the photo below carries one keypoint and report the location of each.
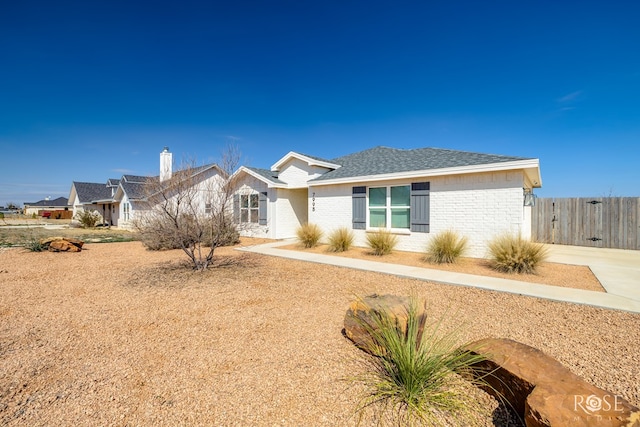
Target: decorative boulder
(359, 320)
(544, 392)
(62, 244)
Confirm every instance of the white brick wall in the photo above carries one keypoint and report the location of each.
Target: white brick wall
(291, 208)
(479, 206)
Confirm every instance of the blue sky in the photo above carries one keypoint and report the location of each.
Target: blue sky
(90, 90)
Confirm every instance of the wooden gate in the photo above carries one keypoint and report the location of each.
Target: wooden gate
(605, 222)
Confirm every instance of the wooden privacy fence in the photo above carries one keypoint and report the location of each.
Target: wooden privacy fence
(605, 222)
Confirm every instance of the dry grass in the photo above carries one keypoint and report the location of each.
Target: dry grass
(117, 335)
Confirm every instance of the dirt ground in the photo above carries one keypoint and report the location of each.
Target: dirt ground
(117, 335)
(548, 273)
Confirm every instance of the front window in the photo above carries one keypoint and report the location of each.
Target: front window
(249, 208)
(125, 211)
(389, 207)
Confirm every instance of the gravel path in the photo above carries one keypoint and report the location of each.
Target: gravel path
(116, 335)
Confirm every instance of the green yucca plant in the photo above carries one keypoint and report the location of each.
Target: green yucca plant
(514, 254)
(446, 247)
(381, 242)
(34, 245)
(341, 240)
(309, 235)
(416, 377)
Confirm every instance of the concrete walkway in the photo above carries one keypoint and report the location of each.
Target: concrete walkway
(617, 270)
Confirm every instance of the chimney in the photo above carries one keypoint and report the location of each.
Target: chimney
(166, 161)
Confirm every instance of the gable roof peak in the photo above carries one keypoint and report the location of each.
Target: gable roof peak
(311, 160)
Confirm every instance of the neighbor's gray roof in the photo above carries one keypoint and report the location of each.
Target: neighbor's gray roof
(135, 190)
(385, 160)
(134, 178)
(60, 201)
(266, 173)
(90, 191)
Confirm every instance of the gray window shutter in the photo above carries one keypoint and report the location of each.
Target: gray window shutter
(262, 208)
(236, 208)
(359, 207)
(420, 207)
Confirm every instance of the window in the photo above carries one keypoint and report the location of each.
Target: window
(125, 211)
(207, 208)
(390, 207)
(249, 208)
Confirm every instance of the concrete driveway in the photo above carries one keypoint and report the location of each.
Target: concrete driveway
(617, 269)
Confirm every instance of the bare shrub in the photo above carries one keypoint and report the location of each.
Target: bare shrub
(87, 218)
(192, 210)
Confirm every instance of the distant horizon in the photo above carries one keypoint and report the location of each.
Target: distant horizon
(92, 91)
(192, 161)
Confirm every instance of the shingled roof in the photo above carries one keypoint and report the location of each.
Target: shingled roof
(90, 191)
(60, 201)
(266, 173)
(384, 160)
(135, 189)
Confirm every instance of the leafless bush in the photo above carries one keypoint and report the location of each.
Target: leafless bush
(192, 210)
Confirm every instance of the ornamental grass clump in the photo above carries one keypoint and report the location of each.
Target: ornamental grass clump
(381, 242)
(340, 240)
(309, 235)
(417, 377)
(514, 254)
(446, 247)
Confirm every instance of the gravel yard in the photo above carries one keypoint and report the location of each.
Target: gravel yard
(117, 335)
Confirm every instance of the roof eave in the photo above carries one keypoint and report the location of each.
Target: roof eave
(310, 161)
(270, 184)
(532, 165)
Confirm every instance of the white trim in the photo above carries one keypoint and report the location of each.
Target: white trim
(310, 161)
(458, 170)
(270, 184)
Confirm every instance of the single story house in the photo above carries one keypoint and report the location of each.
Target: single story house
(46, 205)
(94, 196)
(413, 193)
(119, 200)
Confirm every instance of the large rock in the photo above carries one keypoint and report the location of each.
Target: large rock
(359, 320)
(62, 244)
(544, 392)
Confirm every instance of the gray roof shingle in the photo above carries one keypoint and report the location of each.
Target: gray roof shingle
(136, 190)
(90, 191)
(266, 173)
(384, 160)
(60, 201)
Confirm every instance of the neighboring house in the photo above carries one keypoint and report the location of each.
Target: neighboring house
(412, 193)
(97, 197)
(59, 204)
(120, 200)
(130, 197)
